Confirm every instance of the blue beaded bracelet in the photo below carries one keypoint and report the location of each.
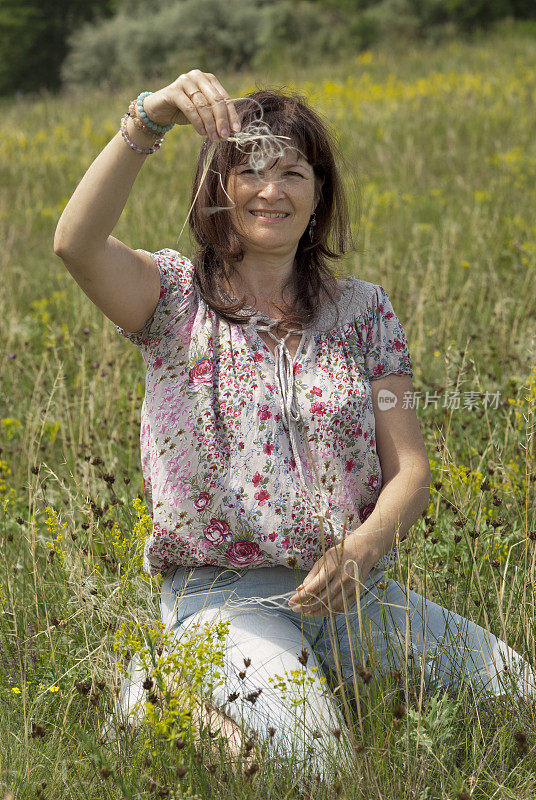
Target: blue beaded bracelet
(146, 121)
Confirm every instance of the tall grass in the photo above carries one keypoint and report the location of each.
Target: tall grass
(441, 155)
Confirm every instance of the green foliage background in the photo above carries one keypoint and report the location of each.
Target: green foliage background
(33, 39)
(440, 139)
(53, 43)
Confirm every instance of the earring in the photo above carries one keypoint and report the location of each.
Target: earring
(312, 223)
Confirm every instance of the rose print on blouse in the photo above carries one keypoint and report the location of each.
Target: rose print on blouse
(202, 501)
(262, 496)
(217, 532)
(373, 482)
(216, 455)
(366, 511)
(264, 413)
(243, 554)
(200, 375)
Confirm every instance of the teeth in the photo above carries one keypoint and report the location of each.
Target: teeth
(268, 214)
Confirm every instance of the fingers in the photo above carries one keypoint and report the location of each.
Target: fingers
(207, 105)
(230, 118)
(318, 603)
(321, 608)
(191, 113)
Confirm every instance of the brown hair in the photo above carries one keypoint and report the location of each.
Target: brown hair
(286, 115)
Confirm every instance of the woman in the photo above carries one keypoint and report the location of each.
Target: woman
(280, 462)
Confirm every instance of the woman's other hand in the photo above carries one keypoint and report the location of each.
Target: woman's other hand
(195, 98)
(333, 575)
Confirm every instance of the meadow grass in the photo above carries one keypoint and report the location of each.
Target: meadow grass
(440, 148)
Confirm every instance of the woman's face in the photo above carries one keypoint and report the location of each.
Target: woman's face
(272, 207)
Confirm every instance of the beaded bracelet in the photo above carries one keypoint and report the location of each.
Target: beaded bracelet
(139, 124)
(133, 145)
(146, 121)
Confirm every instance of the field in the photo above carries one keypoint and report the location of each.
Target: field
(440, 149)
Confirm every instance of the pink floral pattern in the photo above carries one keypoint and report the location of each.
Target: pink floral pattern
(220, 477)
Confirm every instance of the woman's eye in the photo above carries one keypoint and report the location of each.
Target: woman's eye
(261, 175)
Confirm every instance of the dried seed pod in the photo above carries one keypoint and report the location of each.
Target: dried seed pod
(252, 697)
(37, 731)
(251, 770)
(521, 740)
(363, 673)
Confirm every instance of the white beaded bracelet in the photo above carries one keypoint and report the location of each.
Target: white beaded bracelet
(133, 145)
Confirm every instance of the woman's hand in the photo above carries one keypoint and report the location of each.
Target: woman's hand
(333, 575)
(196, 98)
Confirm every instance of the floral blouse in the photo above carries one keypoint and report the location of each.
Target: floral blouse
(251, 458)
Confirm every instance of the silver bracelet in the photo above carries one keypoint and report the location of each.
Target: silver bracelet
(133, 145)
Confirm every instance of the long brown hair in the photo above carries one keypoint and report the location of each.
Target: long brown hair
(286, 115)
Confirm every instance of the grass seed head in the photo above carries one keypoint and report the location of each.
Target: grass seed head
(522, 741)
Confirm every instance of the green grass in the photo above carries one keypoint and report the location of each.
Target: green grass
(441, 150)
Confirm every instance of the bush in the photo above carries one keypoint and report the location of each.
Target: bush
(371, 19)
(221, 34)
(33, 39)
(206, 34)
(167, 37)
(298, 32)
(386, 19)
(210, 35)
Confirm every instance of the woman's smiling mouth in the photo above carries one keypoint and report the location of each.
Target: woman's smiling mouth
(270, 214)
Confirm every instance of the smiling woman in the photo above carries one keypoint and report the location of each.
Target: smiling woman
(278, 264)
(271, 468)
(270, 210)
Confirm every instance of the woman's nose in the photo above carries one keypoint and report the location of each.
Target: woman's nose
(271, 190)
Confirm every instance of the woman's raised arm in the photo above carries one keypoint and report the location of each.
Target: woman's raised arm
(124, 283)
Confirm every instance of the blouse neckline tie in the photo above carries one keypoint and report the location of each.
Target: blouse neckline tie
(284, 368)
(284, 375)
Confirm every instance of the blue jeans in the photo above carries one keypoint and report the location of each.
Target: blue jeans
(390, 628)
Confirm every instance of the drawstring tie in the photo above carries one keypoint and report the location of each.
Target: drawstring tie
(284, 372)
(284, 376)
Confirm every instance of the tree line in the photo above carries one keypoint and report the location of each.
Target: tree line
(46, 43)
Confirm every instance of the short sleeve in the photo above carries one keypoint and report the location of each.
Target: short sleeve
(176, 274)
(383, 338)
